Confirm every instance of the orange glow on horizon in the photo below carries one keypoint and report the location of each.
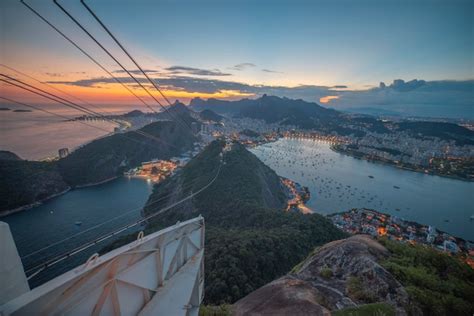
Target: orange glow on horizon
(328, 98)
(112, 93)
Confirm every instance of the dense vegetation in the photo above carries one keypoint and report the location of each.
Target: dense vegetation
(250, 240)
(107, 157)
(437, 283)
(8, 155)
(209, 115)
(25, 182)
(445, 131)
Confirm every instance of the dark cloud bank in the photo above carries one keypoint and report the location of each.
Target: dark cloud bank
(444, 98)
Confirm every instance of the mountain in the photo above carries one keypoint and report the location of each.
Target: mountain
(209, 115)
(250, 239)
(179, 112)
(373, 111)
(361, 276)
(134, 113)
(311, 116)
(8, 155)
(220, 106)
(445, 131)
(272, 109)
(26, 182)
(107, 157)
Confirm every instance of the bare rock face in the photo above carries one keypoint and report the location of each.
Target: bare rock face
(343, 273)
(285, 296)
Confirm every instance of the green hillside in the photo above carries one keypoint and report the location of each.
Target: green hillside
(250, 240)
(107, 157)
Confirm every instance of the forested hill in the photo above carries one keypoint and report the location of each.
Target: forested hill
(26, 182)
(8, 155)
(107, 157)
(250, 239)
(209, 115)
(271, 109)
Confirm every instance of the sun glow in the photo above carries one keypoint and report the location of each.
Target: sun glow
(328, 98)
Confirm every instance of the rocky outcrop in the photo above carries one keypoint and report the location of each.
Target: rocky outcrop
(341, 274)
(285, 296)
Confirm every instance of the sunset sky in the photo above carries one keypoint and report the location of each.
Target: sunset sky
(242, 48)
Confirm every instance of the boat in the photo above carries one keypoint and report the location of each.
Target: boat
(78, 223)
(371, 177)
(396, 187)
(471, 218)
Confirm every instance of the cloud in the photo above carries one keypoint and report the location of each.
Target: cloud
(442, 98)
(135, 72)
(243, 66)
(402, 86)
(271, 71)
(432, 86)
(54, 74)
(432, 98)
(328, 98)
(207, 85)
(195, 71)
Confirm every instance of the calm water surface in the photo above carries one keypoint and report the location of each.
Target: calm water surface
(112, 204)
(338, 183)
(37, 135)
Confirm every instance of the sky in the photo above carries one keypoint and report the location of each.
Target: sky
(330, 52)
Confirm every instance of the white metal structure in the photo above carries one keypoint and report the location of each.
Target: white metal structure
(13, 281)
(159, 274)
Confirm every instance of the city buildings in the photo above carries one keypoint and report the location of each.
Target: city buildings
(376, 224)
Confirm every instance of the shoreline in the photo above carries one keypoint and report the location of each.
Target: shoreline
(37, 203)
(389, 163)
(31, 205)
(96, 183)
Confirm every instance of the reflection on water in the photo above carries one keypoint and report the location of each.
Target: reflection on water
(338, 183)
(36, 135)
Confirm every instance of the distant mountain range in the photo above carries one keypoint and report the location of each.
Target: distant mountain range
(310, 115)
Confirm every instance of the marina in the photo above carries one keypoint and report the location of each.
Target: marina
(338, 183)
